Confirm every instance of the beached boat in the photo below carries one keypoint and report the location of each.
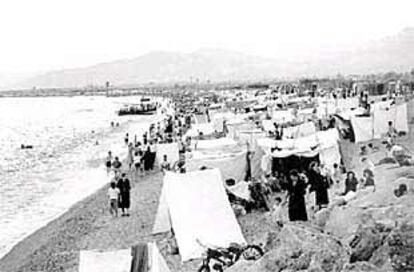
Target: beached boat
(145, 107)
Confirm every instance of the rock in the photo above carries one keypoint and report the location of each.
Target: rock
(401, 246)
(360, 267)
(366, 241)
(270, 240)
(300, 247)
(322, 217)
(381, 258)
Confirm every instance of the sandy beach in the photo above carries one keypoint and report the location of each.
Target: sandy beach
(88, 224)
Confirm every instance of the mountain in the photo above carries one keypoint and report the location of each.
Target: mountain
(392, 53)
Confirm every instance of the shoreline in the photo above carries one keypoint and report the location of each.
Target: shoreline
(56, 246)
(28, 243)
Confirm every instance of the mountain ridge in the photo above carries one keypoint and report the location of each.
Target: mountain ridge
(217, 64)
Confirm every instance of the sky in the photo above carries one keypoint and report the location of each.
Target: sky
(43, 35)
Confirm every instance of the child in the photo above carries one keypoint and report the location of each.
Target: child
(165, 165)
(336, 177)
(368, 179)
(277, 212)
(116, 165)
(113, 193)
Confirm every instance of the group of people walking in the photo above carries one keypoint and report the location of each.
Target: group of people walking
(119, 195)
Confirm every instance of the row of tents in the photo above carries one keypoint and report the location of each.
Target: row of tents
(195, 206)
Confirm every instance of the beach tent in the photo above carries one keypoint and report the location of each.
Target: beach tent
(200, 118)
(323, 143)
(205, 129)
(195, 205)
(231, 164)
(363, 128)
(302, 130)
(376, 125)
(214, 143)
(396, 114)
(283, 116)
(268, 125)
(171, 150)
(120, 260)
(250, 136)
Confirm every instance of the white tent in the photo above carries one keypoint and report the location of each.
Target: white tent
(119, 260)
(196, 129)
(196, 207)
(231, 164)
(324, 143)
(376, 125)
(171, 150)
(215, 143)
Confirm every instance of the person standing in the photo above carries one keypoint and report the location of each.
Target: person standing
(124, 190)
(165, 165)
(318, 184)
(130, 156)
(147, 159)
(126, 139)
(153, 154)
(116, 164)
(296, 189)
(351, 183)
(336, 177)
(113, 194)
(108, 162)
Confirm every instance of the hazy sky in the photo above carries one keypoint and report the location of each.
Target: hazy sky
(40, 35)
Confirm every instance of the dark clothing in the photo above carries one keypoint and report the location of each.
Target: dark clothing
(139, 258)
(147, 160)
(124, 188)
(350, 185)
(116, 164)
(319, 184)
(258, 194)
(297, 205)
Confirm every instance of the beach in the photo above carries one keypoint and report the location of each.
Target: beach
(88, 225)
(69, 140)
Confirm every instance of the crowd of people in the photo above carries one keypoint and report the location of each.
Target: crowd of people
(141, 158)
(296, 190)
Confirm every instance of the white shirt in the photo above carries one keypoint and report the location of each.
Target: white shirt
(113, 193)
(266, 163)
(368, 164)
(277, 213)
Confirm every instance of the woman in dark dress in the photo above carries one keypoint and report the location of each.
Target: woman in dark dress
(147, 159)
(296, 188)
(318, 184)
(351, 183)
(124, 188)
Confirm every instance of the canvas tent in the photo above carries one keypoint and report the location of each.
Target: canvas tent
(231, 164)
(187, 202)
(119, 260)
(323, 143)
(196, 129)
(171, 150)
(376, 125)
(214, 143)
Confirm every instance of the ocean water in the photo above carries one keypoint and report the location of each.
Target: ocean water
(65, 165)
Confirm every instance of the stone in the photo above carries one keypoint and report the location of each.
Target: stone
(360, 267)
(366, 241)
(300, 247)
(401, 247)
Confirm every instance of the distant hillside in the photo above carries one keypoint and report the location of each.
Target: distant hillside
(393, 53)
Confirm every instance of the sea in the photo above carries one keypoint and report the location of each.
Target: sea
(70, 138)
